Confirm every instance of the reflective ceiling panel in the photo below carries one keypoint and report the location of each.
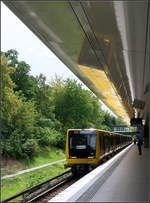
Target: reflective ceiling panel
(102, 42)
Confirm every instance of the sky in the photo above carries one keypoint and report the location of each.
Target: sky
(15, 35)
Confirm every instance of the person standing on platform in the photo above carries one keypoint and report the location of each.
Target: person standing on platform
(140, 140)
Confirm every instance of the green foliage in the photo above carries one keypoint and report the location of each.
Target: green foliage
(119, 121)
(14, 185)
(30, 147)
(9, 99)
(43, 99)
(57, 139)
(105, 127)
(75, 107)
(18, 116)
(18, 145)
(46, 123)
(25, 118)
(42, 135)
(34, 180)
(12, 56)
(37, 114)
(109, 121)
(23, 81)
(48, 136)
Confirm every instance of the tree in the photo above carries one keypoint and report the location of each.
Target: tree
(9, 99)
(43, 99)
(12, 56)
(119, 121)
(75, 107)
(18, 117)
(24, 82)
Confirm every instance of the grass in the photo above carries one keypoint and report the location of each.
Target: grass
(11, 186)
(44, 156)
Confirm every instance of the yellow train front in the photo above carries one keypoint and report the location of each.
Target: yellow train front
(85, 148)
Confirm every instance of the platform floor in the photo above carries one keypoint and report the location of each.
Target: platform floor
(127, 181)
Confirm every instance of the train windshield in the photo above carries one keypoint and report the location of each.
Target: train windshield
(82, 144)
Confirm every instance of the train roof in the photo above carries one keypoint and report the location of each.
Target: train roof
(95, 129)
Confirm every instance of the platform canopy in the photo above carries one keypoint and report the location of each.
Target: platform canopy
(104, 43)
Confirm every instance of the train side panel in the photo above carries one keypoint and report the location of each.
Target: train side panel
(67, 144)
(98, 147)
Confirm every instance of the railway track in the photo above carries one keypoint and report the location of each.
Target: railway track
(42, 189)
(51, 191)
(49, 188)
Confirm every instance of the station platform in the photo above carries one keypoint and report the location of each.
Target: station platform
(124, 178)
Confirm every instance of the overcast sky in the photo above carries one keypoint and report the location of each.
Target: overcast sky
(15, 35)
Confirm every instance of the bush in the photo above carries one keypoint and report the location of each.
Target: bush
(46, 123)
(49, 136)
(29, 147)
(57, 139)
(105, 127)
(18, 145)
(42, 135)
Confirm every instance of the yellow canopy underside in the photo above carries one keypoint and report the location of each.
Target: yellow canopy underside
(110, 97)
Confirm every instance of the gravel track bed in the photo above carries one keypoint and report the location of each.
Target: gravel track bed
(57, 191)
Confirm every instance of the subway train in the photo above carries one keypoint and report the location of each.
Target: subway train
(87, 148)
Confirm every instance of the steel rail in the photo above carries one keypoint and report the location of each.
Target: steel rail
(44, 193)
(34, 187)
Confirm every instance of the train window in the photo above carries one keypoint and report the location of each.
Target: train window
(117, 140)
(82, 145)
(91, 142)
(101, 141)
(114, 140)
(106, 143)
(111, 140)
(76, 141)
